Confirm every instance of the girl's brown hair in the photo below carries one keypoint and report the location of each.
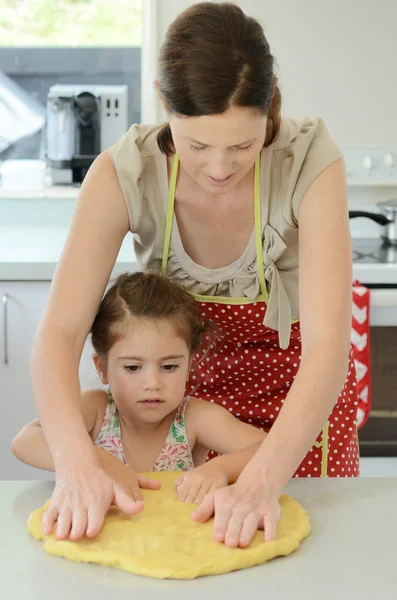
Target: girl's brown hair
(148, 295)
(214, 57)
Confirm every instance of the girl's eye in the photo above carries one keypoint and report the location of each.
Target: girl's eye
(197, 148)
(132, 368)
(170, 368)
(245, 148)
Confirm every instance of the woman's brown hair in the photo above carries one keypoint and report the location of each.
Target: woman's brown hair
(214, 56)
(150, 295)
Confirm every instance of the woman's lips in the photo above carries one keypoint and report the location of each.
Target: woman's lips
(220, 182)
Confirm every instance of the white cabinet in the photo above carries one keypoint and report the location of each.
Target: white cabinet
(22, 305)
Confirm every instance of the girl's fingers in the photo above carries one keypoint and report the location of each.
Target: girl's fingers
(148, 484)
(193, 492)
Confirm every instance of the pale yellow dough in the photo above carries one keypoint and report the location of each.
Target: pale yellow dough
(164, 542)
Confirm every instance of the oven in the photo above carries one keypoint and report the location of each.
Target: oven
(375, 266)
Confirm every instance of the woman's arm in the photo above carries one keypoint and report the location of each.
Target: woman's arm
(30, 447)
(325, 296)
(83, 492)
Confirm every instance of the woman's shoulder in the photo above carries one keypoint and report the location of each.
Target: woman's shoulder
(298, 134)
(139, 139)
(304, 148)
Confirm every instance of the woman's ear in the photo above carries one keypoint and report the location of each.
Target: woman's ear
(100, 366)
(157, 86)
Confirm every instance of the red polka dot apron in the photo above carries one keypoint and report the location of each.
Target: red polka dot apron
(249, 374)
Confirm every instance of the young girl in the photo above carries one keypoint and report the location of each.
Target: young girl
(145, 335)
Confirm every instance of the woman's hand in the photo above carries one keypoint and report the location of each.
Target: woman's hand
(240, 510)
(130, 481)
(194, 485)
(84, 493)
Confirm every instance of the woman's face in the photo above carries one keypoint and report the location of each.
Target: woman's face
(217, 151)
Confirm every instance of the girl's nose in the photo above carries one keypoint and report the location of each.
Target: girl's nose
(152, 380)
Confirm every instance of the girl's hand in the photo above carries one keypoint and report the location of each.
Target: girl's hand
(194, 485)
(240, 510)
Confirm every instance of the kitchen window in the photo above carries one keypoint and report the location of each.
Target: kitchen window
(78, 42)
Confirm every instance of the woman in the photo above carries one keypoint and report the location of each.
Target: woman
(260, 237)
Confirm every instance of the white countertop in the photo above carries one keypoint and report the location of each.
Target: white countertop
(32, 253)
(53, 192)
(350, 553)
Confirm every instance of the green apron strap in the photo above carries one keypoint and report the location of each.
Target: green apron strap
(258, 228)
(170, 214)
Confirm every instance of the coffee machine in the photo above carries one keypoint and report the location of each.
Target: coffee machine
(82, 121)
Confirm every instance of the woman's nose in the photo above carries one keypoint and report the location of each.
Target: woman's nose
(220, 169)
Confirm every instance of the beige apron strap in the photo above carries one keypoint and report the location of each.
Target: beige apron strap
(170, 214)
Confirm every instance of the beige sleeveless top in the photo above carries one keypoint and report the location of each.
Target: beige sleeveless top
(300, 153)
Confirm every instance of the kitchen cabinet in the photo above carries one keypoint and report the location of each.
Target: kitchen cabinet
(22, 306)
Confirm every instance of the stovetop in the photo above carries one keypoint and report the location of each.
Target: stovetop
(374, 251)
(374, 262)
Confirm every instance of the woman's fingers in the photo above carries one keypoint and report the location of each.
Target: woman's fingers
(205, 510)
(270, 527)
(49, 518)
(233, 526)
(79, 523)
(130, 504)
(248, 530)
(95, 518)
(64, 523)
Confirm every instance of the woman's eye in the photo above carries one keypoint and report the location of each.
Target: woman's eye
(245, 148)
(170, 368)
(197, 148)
(132, 368)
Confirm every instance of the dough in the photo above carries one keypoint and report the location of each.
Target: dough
(164, 542)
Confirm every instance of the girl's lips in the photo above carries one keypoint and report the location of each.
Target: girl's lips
(151, 401)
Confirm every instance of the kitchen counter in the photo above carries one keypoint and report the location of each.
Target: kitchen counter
(32, 253)
(350, 554)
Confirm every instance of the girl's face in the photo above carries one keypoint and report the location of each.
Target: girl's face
(217, 151)
(147, 370)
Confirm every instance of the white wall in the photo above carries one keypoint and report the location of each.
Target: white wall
(337, 59)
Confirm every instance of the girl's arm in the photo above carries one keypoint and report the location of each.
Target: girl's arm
(30, 445)
(212, 427)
